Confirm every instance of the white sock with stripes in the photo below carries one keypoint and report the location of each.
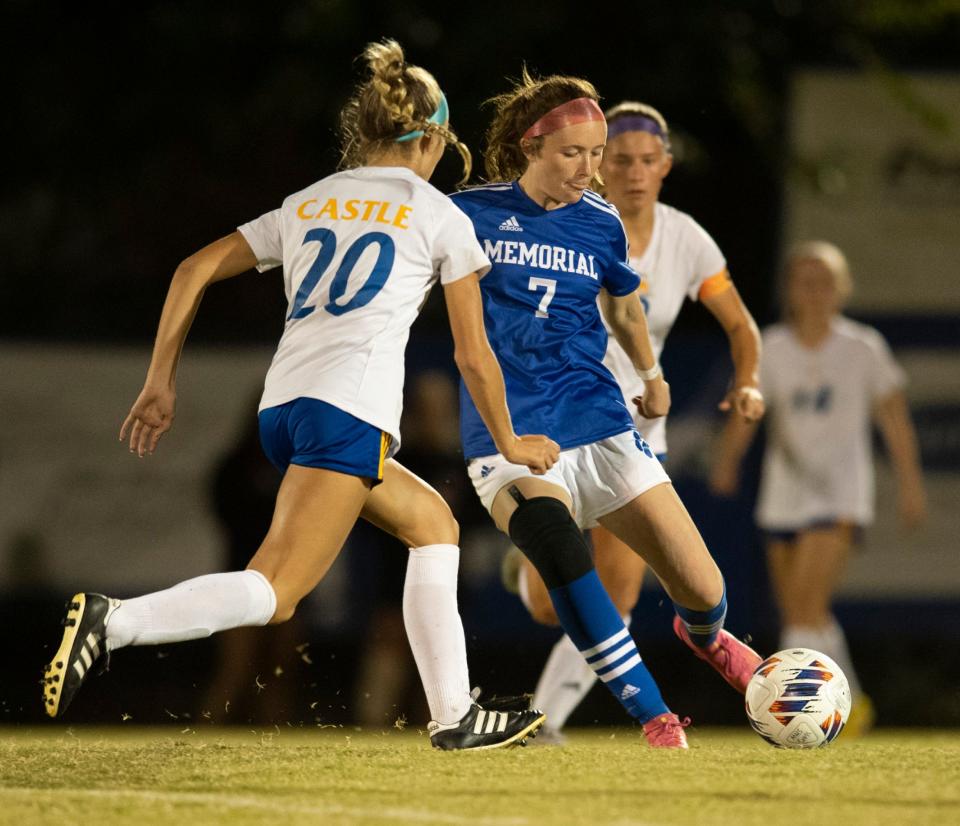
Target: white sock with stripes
(566, 679)
(192, 609)
(435, 631)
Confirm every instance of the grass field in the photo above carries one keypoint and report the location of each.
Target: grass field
(344, 776)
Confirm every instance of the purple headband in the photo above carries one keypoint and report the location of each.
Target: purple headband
(634, 123)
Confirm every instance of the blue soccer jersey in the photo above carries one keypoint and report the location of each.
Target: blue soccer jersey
(540, 310)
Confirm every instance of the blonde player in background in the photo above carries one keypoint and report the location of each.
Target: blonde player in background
(825, 378)
(360, 251)
(676, 259)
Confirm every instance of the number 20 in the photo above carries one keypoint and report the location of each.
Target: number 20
(338, 287)
(548, 284)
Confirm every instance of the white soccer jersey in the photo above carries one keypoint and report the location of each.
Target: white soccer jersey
(681, 261)
(818, 464)
(360, 251)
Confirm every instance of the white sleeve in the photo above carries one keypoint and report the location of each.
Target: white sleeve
(706, 257)
(456, 251)
(886, 375)
(263, 236)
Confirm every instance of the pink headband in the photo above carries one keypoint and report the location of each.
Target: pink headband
(580, 110)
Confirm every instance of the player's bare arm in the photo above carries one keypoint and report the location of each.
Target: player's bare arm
(626, 318)
(152, 413)
(744, 398)
(892, 415)
(481, 373)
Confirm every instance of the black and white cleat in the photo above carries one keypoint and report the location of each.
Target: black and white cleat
(483, 729)
(83, 644)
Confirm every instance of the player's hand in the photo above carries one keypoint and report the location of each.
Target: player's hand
(539, 453)
(150, 417)
(745, 401)
(655, 401)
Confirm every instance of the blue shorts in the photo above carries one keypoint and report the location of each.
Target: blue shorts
(312, 433)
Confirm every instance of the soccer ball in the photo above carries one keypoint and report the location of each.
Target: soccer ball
(798, 699)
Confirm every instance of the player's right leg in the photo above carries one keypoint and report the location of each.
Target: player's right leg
(536, 514)
(566, 678)
(409, 509)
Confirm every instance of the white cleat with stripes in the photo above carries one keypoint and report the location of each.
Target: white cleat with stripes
(83, 643)
(483, 729)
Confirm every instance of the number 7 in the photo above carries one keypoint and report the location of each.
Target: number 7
(550, 285)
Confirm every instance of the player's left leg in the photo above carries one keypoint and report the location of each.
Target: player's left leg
(566, 677)
(409, 509)
(813, 565)
(657, 526)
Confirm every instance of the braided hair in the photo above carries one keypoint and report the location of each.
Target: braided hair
(398, 98)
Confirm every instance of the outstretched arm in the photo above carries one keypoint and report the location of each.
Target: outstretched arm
(893, 418)
(628, 321)
(744, 398)
(152, 413)
(481, 373)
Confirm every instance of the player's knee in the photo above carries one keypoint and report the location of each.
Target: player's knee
(430, 522)
(285, 610)
(544, 530)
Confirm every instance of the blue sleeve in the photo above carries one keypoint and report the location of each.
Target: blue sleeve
(619, 278)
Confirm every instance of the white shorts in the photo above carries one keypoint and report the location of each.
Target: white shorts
(600, 477)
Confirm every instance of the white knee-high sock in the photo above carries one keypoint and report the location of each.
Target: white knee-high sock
(435, 631)
(565, 681)
(835, 646)
(800, 636)
(192, 609)
(829, 639)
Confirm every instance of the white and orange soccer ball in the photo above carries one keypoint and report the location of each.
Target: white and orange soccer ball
(798, 699)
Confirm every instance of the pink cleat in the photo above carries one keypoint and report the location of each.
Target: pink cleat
(666, 731)
(734, 660)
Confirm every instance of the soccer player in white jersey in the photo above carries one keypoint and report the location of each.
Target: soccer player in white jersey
(825, 378)
(676, 259)
(557, 249)
(360, 251)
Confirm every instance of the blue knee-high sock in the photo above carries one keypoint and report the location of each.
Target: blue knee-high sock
(703, 626)
(591, 620)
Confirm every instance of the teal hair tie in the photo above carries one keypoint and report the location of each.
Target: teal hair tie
(439, 117)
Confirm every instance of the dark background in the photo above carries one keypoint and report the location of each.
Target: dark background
(136, 133)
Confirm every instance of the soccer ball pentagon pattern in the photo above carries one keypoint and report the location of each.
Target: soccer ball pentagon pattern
(798, 699)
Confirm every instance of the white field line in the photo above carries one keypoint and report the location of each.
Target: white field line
(229, 801)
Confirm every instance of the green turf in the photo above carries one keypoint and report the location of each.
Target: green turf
(342, 776)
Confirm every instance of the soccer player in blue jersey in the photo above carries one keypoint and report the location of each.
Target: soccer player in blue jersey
(556, 247)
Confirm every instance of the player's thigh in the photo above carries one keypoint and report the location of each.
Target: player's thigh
(315, 510)
(619, 568)
(820, 558)
(529, 487)
(406, 507)
(657, 526)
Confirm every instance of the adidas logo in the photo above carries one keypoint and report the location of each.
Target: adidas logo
(511, 225)
(629, 691)
(485, 471)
